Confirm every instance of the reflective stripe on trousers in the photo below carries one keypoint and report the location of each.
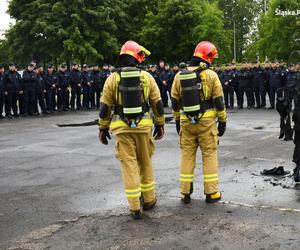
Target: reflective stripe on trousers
(134, 151)
(192, 136)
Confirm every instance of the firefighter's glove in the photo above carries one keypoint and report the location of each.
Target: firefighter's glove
(221, 128)
(178, 126)
(103, 135)
(158, 132)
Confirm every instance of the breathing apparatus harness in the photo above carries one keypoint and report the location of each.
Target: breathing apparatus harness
(133, 105)
(193, 98)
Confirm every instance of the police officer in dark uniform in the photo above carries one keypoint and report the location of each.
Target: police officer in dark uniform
(245, 81)
(104, 74)
(284, 72)
(97, 87)
(50, 79)
(250, 89)
(182, 66)
(40, 90)
(226, 80)
(86, 86)
(111, 68)
(275, 80)
(234, 83)
(12, 87)
(295, 77)
(28, 87)
(259, 84)
(63, 88)
(293, 82)
(22, 100)
(160, 69)
(153, 72)
(1, 91)
(267, 69)
(174, 71)
(165, 78)
(219, 72)
(76, 88)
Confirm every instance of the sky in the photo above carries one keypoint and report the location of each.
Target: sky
(4, 18)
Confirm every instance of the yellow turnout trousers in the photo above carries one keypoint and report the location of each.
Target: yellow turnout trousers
(134, 151)
(203, 134)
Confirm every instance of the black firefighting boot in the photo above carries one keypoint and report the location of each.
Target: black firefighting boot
(297, 173)
(136, 215)
(186, 198)
(149, 205)
(212, 198)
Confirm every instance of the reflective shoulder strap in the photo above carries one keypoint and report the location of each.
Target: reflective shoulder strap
(203, 78)
(127, 74)
(188, 76)
(117, 90)
(145, 85)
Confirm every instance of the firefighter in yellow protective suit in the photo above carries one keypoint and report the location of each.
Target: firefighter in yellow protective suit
(125, 110)
(197, 102)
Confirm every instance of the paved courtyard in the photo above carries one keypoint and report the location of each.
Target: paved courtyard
(61, 189)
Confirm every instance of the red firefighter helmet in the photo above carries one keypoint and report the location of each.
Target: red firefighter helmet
(135, 50)
(206, 51)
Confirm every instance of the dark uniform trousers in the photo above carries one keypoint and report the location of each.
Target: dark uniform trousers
(40, 100)
(249, 94)
(1, 102)
(76, 94)
(59, 99)
(263, 92)
(87, 96)
(29, 101)
(164, 94)
(22, 103)
(228, 96)
(95, 96)
(63, 98)
(11, 102)
(50, 99)
(256, 90)
(272, 92)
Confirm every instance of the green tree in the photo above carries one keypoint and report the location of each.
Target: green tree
(179, 25)
(169, 32)
(243, 13)
(93, 30)
(62, 30)
(278, 36)
(212, 29)
(131, 15)
(4, 53)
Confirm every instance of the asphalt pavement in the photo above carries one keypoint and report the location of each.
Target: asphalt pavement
(61, 189)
